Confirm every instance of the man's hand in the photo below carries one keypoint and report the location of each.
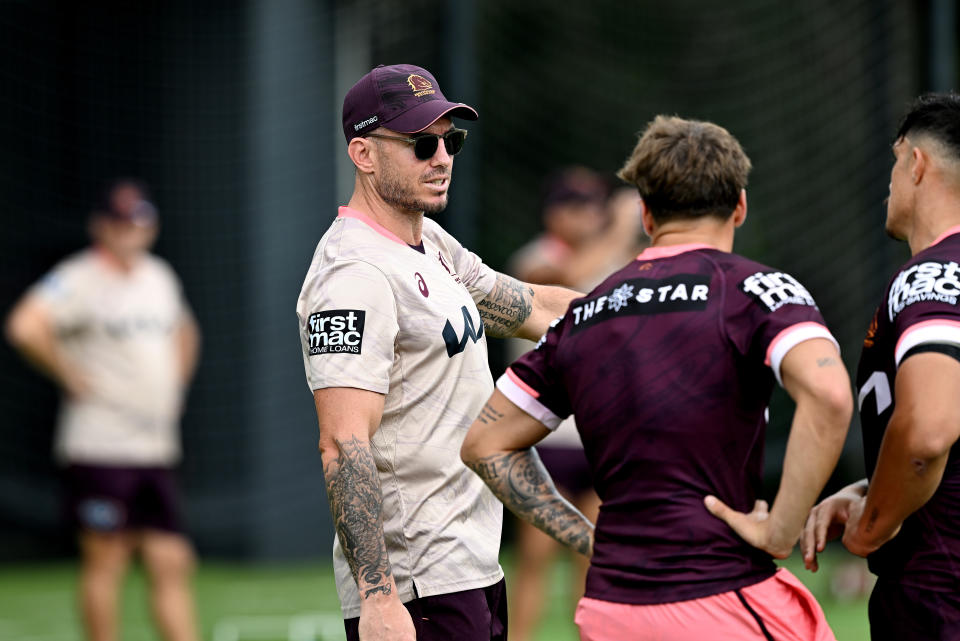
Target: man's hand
(852, 531)
(814, 377)
(826, 522)
(384, 618)
(754, 528)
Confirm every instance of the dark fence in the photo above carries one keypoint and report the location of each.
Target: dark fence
(231, 111)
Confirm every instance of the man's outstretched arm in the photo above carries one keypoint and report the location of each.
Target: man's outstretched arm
(515, 308)
(498, 448)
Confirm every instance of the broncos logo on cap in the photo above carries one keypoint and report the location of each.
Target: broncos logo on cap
(420, 85)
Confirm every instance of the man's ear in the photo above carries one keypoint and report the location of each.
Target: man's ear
(363, 153)
(646, 219)
(740, 211)
(918, 164)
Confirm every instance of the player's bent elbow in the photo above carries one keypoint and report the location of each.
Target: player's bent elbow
(470, 449)
(928, 438)
(17, 329)
(840, 402)
(835, 400)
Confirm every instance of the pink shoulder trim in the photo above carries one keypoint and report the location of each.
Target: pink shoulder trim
(347, 212)
(949, 232)
(653, 253)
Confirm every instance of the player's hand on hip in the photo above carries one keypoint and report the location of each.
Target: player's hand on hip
(384, 618)
(754, 527)
(825, 523)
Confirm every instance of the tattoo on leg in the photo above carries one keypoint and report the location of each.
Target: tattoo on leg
(520, 481)
(507, 307)
(353, 488)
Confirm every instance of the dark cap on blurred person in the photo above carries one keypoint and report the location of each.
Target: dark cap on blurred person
(574, 185)
(404, 98)
(126, 200)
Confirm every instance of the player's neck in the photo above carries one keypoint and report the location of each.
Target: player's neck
(406, 225)
(933, 217)
(117, 261)
(707, 231)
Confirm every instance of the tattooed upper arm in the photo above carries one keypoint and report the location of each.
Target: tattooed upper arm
(506, 307)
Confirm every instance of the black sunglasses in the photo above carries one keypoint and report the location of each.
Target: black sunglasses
(425, 145)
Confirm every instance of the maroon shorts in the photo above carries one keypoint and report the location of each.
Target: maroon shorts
(471, 615)
(568, 468)
(900, 611)
(111, 499)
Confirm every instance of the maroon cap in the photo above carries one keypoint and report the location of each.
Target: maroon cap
(404, 98)
(574, 184)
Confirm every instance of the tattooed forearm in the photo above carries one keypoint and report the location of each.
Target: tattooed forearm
(353, 488)
(520, 481)
(507, 307)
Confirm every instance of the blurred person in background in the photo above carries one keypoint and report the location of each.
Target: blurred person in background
(110, 326)
(905, 517)
(586, 236)
(394, 313)
(668, 366)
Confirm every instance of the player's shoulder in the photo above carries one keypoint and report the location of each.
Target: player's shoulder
(160, 266)
(945, 251)
(738, 265)
(70, 275)
(745, 273)
(345, 274)
(927, 284)
(80, 265)
(433, 231)
(82, 259)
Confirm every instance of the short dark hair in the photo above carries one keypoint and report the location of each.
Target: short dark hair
(104, 202)
(687, 169)
(936, 115)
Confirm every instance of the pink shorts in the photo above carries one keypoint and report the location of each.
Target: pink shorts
(778, 608)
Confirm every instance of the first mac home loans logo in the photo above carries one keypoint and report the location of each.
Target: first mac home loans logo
(931, 281)
(335, 331)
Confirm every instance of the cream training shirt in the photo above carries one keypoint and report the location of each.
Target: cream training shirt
(120, 329)
(377, 314)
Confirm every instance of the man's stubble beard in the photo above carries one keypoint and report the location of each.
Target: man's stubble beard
(391, 188)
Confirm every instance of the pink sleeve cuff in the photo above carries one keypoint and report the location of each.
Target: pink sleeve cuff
(525, 397)
(790, 338)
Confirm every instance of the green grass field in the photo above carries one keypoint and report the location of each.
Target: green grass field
(275, 603)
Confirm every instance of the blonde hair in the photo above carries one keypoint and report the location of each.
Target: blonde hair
(687, 169)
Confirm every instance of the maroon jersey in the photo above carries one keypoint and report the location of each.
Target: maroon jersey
(668, 366)
(920, 312)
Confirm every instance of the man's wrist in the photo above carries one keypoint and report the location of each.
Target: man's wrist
(378, 595)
